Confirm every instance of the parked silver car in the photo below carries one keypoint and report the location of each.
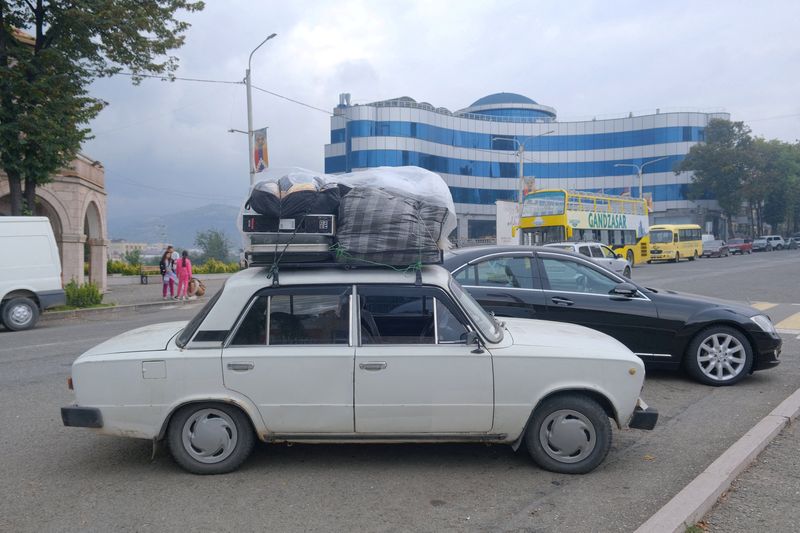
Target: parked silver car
(599, 253)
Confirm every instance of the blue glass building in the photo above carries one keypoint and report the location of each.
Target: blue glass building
(475, 151)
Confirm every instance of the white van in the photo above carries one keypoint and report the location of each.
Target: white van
(30, 271)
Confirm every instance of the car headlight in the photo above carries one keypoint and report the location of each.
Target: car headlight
(764, 323)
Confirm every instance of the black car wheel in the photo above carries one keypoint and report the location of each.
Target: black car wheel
(629, 257)
(677, 257)
(569, 434)
(210, 438)
(719, 355)
(627, 272)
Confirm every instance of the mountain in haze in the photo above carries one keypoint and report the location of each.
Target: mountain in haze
(179, 228)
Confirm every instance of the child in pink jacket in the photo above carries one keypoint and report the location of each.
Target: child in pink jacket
(183, 267)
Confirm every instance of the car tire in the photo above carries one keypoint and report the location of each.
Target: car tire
(677, 257)
(629, 257)
(221, 446)
(20, 314)
(627, 272)
(779, 247)
(749, 252)
(706, 358)
(694, 256)
(569, 434)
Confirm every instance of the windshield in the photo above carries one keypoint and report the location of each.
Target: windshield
(483, 320)
(543, 203)
(660, 236)
(715, 244)
(186, 334)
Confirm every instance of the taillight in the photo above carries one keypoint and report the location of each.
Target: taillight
(69, 383)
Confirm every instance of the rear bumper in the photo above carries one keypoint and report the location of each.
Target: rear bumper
(48, 299)
(644, 417)
(82, 417)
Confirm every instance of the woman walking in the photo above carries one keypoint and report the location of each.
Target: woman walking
(183, 266)
(168, 273)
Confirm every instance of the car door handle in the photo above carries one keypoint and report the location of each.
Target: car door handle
(562, 301)
(241, 367)
(372, 365)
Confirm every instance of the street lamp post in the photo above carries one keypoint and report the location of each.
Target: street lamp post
(639, 171)
(250, 110)
(521, 156)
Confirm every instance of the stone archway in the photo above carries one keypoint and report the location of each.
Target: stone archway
(95, 244)
(75, 203)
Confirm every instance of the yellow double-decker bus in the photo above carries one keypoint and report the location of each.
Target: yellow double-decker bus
(671, 242)
(557, 215)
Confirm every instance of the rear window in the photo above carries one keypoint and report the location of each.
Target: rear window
(188, 332)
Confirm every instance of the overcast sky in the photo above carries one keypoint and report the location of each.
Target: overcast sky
(583, 58)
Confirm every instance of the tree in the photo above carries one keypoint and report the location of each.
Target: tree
(215, 245)
(721, 165)
(44, 102)
(133, 257)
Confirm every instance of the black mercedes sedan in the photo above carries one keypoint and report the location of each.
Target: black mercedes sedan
(717, 342)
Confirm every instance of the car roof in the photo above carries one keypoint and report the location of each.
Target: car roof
(336, 274)
(462, 256)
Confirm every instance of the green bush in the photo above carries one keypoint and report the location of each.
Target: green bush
(121, 267)
(85, 295)
(213, 266)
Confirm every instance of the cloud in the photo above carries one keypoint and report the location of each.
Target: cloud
(585, 58)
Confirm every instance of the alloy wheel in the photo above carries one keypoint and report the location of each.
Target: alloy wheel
(721, 357)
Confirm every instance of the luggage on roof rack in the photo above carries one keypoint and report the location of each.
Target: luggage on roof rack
(390, 216)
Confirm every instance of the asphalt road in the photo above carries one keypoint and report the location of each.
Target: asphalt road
(65, 479)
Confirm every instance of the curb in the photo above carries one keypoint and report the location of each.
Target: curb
(697, 498)
(50, 316)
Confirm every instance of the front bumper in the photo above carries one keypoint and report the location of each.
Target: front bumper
(644, 417)
(768, 351)
(82, 417)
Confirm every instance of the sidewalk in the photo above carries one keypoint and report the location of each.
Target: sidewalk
(128, 290)
(765, 497)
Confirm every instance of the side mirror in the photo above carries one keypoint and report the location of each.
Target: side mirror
(473, 338)
(625, 289)
(618, 256)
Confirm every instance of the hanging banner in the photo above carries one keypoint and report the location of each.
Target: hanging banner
(260, 152)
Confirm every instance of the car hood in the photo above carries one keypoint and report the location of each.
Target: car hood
(696, 300)
(146, 339)
(568, 338)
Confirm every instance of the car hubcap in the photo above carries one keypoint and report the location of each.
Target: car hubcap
(209, 436)
(567, 436)
(721, 357)
(20, 314)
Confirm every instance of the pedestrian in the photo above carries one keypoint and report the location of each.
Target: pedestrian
(168, 276)
(184, 269)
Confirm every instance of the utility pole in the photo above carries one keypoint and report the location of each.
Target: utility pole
(521, 155)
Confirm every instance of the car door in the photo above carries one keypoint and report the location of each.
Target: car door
(505, 284)
(414, 372)
(615, 264)
(578, 292)
(601, 259)
(292, 354)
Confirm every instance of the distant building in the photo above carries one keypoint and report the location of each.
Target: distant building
(475, 151)
(117, 248)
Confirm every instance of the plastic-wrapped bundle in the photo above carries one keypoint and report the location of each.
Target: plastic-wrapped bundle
(394, 216)
(404, 182)
(297, 192)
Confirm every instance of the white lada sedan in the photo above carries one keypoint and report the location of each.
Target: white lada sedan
(361, 355)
